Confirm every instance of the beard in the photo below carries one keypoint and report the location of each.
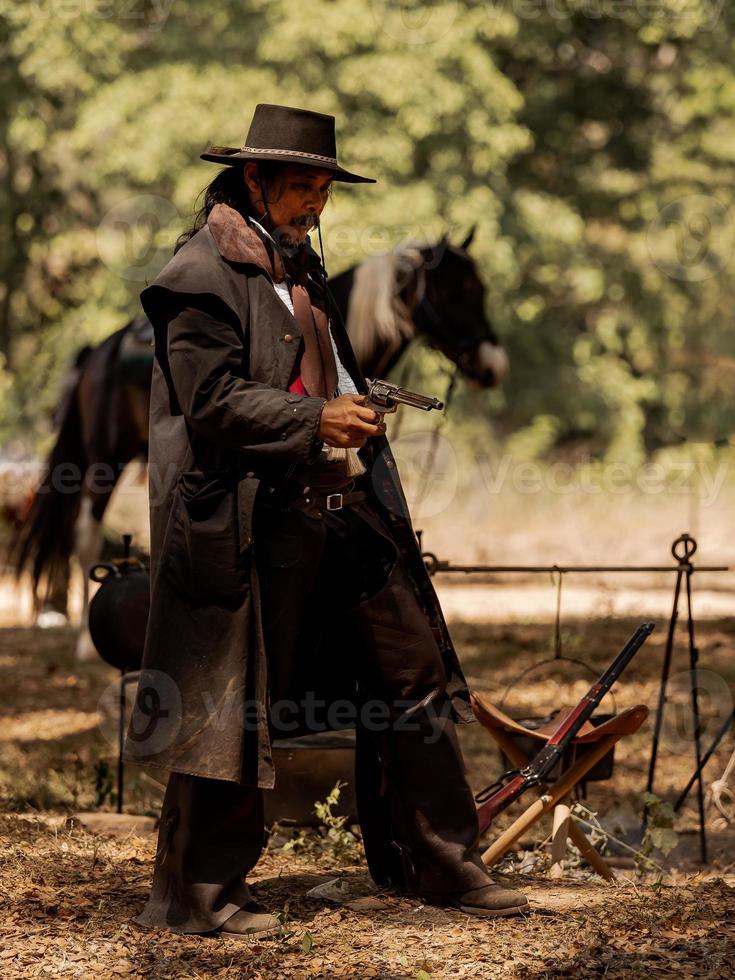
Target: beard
(286, 235)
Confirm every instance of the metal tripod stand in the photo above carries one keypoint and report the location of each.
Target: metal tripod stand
(683, 550)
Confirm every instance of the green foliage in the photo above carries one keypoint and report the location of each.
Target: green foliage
(338, 843)
(660, 834)
(595, 153)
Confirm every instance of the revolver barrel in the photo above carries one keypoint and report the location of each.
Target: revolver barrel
(387, 394)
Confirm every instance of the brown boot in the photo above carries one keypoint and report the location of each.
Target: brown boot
(493, 900)
(252, 923)
(488, 900)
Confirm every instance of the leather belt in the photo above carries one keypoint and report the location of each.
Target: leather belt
(313, 502)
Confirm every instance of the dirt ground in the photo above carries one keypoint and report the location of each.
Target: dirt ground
(67, 896)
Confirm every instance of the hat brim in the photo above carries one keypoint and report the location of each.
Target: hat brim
(231, 156)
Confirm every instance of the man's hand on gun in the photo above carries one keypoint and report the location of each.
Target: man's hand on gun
(348, 421)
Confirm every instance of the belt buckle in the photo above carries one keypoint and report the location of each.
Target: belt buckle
(330, 497)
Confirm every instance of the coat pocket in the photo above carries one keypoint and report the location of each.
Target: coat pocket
(204, 562)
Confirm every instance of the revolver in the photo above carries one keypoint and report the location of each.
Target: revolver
(384, 397)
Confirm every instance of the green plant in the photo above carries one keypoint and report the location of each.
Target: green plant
(338, 843)
(660, 833)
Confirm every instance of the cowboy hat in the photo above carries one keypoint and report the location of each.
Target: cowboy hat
(281, 132)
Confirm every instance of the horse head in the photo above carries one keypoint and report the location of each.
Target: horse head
(450, 312)
(432, 291)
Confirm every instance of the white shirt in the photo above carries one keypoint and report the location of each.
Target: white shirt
(344, 380)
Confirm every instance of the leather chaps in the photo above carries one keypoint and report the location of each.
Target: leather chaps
(341, 573)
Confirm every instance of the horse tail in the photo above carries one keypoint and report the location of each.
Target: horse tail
(44, 542)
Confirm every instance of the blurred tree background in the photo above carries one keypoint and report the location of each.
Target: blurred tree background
(591, 141)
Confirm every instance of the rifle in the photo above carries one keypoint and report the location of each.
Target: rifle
(385, 397)
(496, 797)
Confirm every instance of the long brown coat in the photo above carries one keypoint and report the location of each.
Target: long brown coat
(222, 420)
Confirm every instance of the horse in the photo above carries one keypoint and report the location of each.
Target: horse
(431, 292)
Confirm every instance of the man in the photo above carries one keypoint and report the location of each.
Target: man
(285, 573)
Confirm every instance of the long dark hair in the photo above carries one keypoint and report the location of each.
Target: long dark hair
(229, 187)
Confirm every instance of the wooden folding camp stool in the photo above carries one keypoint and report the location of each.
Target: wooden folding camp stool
(554, 798)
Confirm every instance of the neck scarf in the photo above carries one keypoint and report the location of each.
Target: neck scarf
(238, 241)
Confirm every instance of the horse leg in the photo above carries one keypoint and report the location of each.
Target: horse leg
(54, 609)
(87, 549)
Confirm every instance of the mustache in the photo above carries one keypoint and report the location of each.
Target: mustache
(306, 220)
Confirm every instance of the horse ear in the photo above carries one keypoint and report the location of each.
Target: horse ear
(435, 253)
(468, 240)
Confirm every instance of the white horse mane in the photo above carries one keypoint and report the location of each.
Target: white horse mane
(376, 312)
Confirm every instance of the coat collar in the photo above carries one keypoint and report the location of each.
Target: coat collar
(239, 241)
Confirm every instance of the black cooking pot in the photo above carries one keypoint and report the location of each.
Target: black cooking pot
(118, 611)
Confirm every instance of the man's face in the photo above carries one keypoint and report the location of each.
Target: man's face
(293, 206)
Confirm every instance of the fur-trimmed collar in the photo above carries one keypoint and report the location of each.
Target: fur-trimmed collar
(239, 241)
